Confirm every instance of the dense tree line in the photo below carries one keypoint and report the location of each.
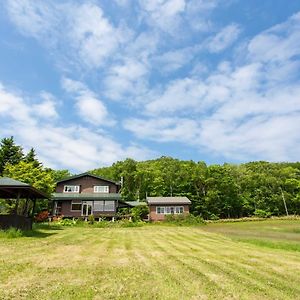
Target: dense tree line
(217, 191)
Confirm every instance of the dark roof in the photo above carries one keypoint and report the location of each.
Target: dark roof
(11, 188)
(168, 200)
(86, 196)
(87, 174)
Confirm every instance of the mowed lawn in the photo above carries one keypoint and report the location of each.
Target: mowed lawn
(154, 262)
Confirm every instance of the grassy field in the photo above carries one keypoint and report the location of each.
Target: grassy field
(253, 260)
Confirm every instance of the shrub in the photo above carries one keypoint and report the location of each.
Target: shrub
(66, 222)
(260, 213)
(11, 233)
(139, 212)
(184, 219)
(42, 216)
(91, 219)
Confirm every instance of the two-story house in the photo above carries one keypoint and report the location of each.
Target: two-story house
(86, 194)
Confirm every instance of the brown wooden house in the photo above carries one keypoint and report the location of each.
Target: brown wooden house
(86, 194)
(159, 207)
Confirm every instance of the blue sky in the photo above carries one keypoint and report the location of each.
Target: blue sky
(87, 83)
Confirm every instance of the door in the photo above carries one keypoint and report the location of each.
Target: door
(87, 209)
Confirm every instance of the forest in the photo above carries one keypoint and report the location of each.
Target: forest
(257, 188)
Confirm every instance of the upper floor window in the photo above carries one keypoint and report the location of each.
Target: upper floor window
(71, 189)
(101, 189)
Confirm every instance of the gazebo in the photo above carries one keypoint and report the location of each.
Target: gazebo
(24, 197)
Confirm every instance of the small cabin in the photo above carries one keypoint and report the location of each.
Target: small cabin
(159, 207)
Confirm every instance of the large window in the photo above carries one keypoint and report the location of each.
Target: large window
(76, 205)
(71, 189)
(106, 205)
(166, 210)
(101, 189)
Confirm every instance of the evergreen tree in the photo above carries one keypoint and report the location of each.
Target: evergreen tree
(30, 157)
(10, 153)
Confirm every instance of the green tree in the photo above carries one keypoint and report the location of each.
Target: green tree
(10, 153)
(30, 157)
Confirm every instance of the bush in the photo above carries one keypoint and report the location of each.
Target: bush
(11, 233)
(182, 219)
(260, 213)
(139, 212)
(91, 219)
(42, 216)
(66, 222)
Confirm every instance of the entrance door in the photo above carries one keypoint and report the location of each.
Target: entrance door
(87, 209)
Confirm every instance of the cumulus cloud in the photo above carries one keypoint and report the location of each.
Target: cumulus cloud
(125, 79)
(69, 146)
(81, 30)
(88, 106)
(224, 38)
(249, 110)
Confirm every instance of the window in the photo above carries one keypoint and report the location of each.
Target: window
(76, 205)
(178, 209)
(101, 189)
(99, 205)
(160, 210)
(71, 189)
(166, 210)
(109, 205)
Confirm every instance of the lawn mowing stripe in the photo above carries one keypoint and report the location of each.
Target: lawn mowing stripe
(166, 270)
(240, 258)
(265, 277)
(209, 287)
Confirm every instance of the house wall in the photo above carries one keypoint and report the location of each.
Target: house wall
(66, 211)
(153, 216)
(87, 184)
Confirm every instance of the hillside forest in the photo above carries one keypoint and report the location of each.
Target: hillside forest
(257, 188)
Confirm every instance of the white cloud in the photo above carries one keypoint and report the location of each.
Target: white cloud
(279, 43)
(224, 38)
(163, 129)
(81, 32)
(250, 110)
(60, 146)
(88, 106)
(35, 19)
(173, 60)
(46, 108)
(125, 79)
(164, 14)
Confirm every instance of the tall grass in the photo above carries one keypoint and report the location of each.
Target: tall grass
(11, 233)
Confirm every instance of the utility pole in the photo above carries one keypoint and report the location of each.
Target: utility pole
(283, 199)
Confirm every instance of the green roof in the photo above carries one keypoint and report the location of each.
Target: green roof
(85, 196)
(5, 181)
(135, 203)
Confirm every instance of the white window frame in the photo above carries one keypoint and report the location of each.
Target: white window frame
(167, 210)
(73, 188)
(103, 189)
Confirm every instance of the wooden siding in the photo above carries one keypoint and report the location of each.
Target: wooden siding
(87, 184)
(67, 212)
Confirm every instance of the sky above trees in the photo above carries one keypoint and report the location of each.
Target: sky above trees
(87, 83)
